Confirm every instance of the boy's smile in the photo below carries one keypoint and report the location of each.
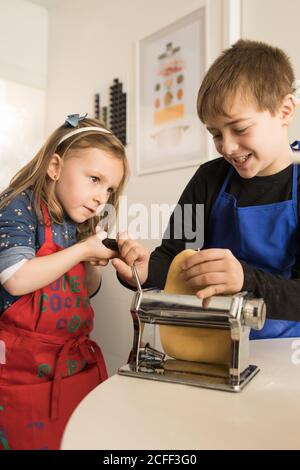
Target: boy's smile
(254, 142)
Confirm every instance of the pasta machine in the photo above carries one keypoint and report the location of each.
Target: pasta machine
(192, 344)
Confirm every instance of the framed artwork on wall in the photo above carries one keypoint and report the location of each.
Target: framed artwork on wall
(170, 66)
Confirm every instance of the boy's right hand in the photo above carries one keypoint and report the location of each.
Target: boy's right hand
(215, 271)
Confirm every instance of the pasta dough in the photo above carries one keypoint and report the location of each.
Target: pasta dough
(207, 345)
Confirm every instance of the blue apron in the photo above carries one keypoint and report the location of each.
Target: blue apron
(263, 236)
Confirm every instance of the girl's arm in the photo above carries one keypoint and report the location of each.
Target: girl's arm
(41, 271)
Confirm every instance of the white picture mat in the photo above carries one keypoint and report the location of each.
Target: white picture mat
(192, 146)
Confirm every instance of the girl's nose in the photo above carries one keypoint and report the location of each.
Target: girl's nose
(101, 197)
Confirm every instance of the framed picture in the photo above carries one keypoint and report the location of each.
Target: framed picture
(170, 67)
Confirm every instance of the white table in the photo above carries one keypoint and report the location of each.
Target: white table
(131, 413)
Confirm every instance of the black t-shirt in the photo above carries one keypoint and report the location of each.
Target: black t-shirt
(282, 296)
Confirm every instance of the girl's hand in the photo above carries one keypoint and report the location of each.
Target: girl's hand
(131, 252)
(97, 262)
(214, 271)
(96, 253)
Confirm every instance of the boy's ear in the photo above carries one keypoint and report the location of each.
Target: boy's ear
(55, 166)
(287, 109)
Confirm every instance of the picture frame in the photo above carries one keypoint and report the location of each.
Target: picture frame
(171, 64)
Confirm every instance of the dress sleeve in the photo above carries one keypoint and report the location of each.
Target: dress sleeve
(18, 228)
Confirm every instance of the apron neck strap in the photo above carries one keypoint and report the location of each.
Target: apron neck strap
(295, 184)
(47, 223)
(226, 180)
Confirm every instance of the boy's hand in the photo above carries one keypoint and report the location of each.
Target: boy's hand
(131, 252)
(214, 271)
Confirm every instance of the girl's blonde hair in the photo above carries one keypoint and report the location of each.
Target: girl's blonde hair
(34, 174)
(261, 73)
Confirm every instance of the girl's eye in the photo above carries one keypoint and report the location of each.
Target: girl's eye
(95, 179)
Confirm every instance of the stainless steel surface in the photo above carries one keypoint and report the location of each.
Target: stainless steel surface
(165, 308)
(236, 314)
(255, 313)
(195, 380)
(136, 278)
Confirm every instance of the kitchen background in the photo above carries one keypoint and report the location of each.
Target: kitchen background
(55, 54)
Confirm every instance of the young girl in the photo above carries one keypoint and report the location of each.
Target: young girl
(49, 265)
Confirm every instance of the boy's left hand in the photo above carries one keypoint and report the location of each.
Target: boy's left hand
(215, 271)
(131, 252)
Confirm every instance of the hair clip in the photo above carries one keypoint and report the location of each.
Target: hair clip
(74, 119)
(295, 146)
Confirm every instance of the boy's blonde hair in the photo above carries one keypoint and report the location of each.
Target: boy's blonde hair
(262, 74)
(34, 174)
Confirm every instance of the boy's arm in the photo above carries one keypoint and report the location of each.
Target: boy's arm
(200, 190)
(186, 220)
(160, 261)
(282, 296)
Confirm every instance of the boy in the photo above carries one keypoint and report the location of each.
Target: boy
(250, 194)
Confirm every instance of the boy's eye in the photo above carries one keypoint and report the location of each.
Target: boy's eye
(110, 190)
(216, 136)
(240, 131)
(95, 179)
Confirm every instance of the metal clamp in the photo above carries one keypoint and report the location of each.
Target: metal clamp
(136, 278)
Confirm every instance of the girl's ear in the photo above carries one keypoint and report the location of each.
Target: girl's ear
(55, 166)
(287, 109)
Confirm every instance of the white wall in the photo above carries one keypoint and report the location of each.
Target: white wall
(23, 43)
(89, 45)
(23, 76)
(22, 126)
(276, 22)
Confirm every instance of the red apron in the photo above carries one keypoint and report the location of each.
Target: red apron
(48, 363)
